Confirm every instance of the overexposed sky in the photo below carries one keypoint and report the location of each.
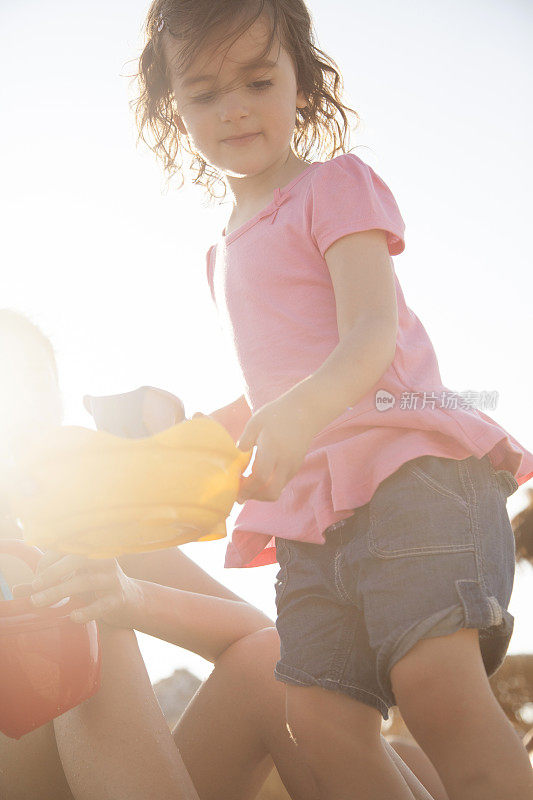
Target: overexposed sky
(112, 266)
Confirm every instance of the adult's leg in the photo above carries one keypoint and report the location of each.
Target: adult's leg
(228, 736)
(339, 738)
(234, 727)
(236, 720)
(236, 724)
(117, 744)
(412, 755)
(30, 767)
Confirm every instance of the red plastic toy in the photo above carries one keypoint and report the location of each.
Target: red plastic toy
(48, 663)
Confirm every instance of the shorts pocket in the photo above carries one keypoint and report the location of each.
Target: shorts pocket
(443, 480)
(418, 511)
(505, 481)
(283, 555)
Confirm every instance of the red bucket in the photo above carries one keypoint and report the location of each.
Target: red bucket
(48, 663)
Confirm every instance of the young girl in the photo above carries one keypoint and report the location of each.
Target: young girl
(381, 494)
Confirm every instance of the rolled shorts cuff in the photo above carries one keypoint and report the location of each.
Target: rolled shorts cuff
(297, 677)
(476, 610)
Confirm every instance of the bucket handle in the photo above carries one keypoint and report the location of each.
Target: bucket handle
(32, 555)
(27, 552)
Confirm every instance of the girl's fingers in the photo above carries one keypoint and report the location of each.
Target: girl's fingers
(274, 487)
(255, 487)
(262, 473)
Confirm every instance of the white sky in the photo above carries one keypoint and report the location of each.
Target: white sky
(113, 268)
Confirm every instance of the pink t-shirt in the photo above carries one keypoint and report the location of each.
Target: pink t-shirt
(271, 285)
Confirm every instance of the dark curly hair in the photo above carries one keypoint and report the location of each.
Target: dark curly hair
(318, 128)
(522, 525)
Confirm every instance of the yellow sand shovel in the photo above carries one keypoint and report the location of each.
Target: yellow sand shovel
(101, 495)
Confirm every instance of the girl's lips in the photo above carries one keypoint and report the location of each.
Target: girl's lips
(242, 140)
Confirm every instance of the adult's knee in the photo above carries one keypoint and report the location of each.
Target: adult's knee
(316, 715)
(258, 651)
(249, 664)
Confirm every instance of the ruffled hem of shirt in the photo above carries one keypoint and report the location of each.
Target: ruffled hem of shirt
(253, 544)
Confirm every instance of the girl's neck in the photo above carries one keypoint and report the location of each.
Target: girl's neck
(255, 192)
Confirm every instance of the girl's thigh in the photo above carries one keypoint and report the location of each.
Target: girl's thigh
(438, 556)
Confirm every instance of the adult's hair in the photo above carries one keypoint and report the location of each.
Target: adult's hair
(14, 322)
(321, 127)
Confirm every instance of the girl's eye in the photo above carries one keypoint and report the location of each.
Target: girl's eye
(261, 84)
(258, 86)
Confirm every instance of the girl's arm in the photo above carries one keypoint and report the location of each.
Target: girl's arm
(200, 623)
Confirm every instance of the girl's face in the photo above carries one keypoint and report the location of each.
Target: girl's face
(227, 95)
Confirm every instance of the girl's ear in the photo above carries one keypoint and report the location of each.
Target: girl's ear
(301, 99)
(179, 124)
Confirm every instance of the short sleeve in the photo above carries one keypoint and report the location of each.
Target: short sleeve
(347, 196)
(209, 270)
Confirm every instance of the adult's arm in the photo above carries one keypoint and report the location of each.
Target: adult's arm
(170, 567)
(200, 623)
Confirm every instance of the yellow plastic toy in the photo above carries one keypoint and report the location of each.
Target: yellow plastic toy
(101, 496)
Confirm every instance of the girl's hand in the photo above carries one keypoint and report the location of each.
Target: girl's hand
(110, 594)
(283, 430)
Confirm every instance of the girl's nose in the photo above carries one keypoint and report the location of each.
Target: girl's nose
(232, 107)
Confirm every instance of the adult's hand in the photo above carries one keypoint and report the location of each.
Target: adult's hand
(110, 594)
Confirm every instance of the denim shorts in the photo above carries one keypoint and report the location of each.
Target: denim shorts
(432, 552)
